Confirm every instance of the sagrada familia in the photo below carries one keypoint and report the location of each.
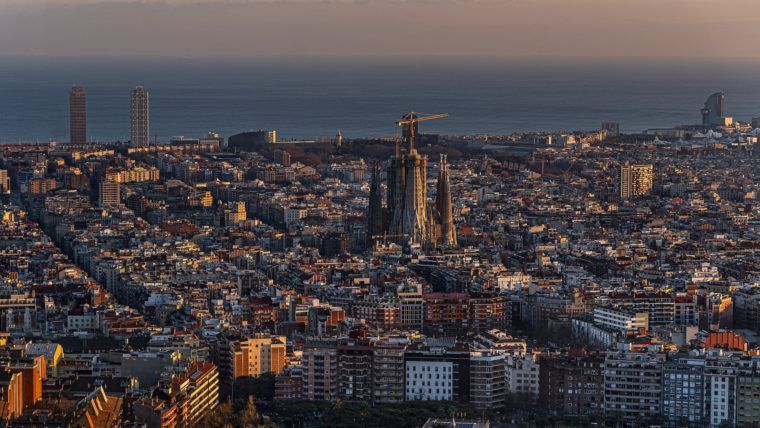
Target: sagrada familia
(407, 217)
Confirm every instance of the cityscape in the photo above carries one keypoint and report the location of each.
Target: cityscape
(379, 214)
(587, 278)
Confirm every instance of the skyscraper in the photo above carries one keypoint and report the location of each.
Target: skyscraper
(713, 113)
(634, 180)
(77, 115)
(140, 135)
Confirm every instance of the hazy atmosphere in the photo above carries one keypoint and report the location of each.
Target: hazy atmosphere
(681, 28)
(380, 213)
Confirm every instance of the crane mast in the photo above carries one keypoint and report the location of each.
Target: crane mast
(410, 119)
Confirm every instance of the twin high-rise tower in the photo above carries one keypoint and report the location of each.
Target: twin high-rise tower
(407, 217)
(139, 116)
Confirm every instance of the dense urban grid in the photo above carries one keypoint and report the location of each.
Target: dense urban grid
(582, 278)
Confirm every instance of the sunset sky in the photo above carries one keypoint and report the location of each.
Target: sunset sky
(620, 28)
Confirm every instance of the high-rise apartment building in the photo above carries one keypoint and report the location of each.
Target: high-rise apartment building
(11, 394)
(320, 371)
(411, 306)
(487, 379)
(633, 383)
(683, 390)
(572, 383)
(257, 355)
(77, 115)
(109, 194)
(140, 135)
(196, 391)
(33, 372)
(720, 380)
(5, 182)
(355, 370)
(388, 371)
(634, 180)
(748, 393)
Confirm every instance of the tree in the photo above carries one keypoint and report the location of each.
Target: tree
(249, 416)
(224, 417)
(261, 388)
(220, 417)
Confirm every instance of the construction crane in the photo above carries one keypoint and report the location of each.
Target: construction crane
(411, 120)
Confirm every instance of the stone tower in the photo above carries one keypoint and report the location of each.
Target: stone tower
(407, 198)
(375, 213)
(446, 235)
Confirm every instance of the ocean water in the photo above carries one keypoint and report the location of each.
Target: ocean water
(311, 97)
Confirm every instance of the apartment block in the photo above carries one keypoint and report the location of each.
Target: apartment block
(633, 383)
(320, 371)
(487, 380)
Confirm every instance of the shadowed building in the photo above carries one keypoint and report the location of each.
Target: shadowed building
(250, 140)
(408, 218)
(713, 113)
(572, 384)
(77, 115)
(140, 135)
(110, 194)
(444, 215)
(375, 213)
(407, 197)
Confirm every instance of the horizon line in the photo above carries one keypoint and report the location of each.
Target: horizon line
(255, 56)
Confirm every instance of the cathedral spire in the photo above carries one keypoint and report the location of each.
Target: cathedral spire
(375, 220)
(443, 205)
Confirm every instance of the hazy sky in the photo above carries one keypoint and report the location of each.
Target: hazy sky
(684, 28)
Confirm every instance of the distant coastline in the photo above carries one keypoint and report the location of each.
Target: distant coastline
(308, 98)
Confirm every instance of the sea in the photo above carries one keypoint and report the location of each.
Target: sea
(315, 96)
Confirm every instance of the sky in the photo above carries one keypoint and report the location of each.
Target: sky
(508, 28)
